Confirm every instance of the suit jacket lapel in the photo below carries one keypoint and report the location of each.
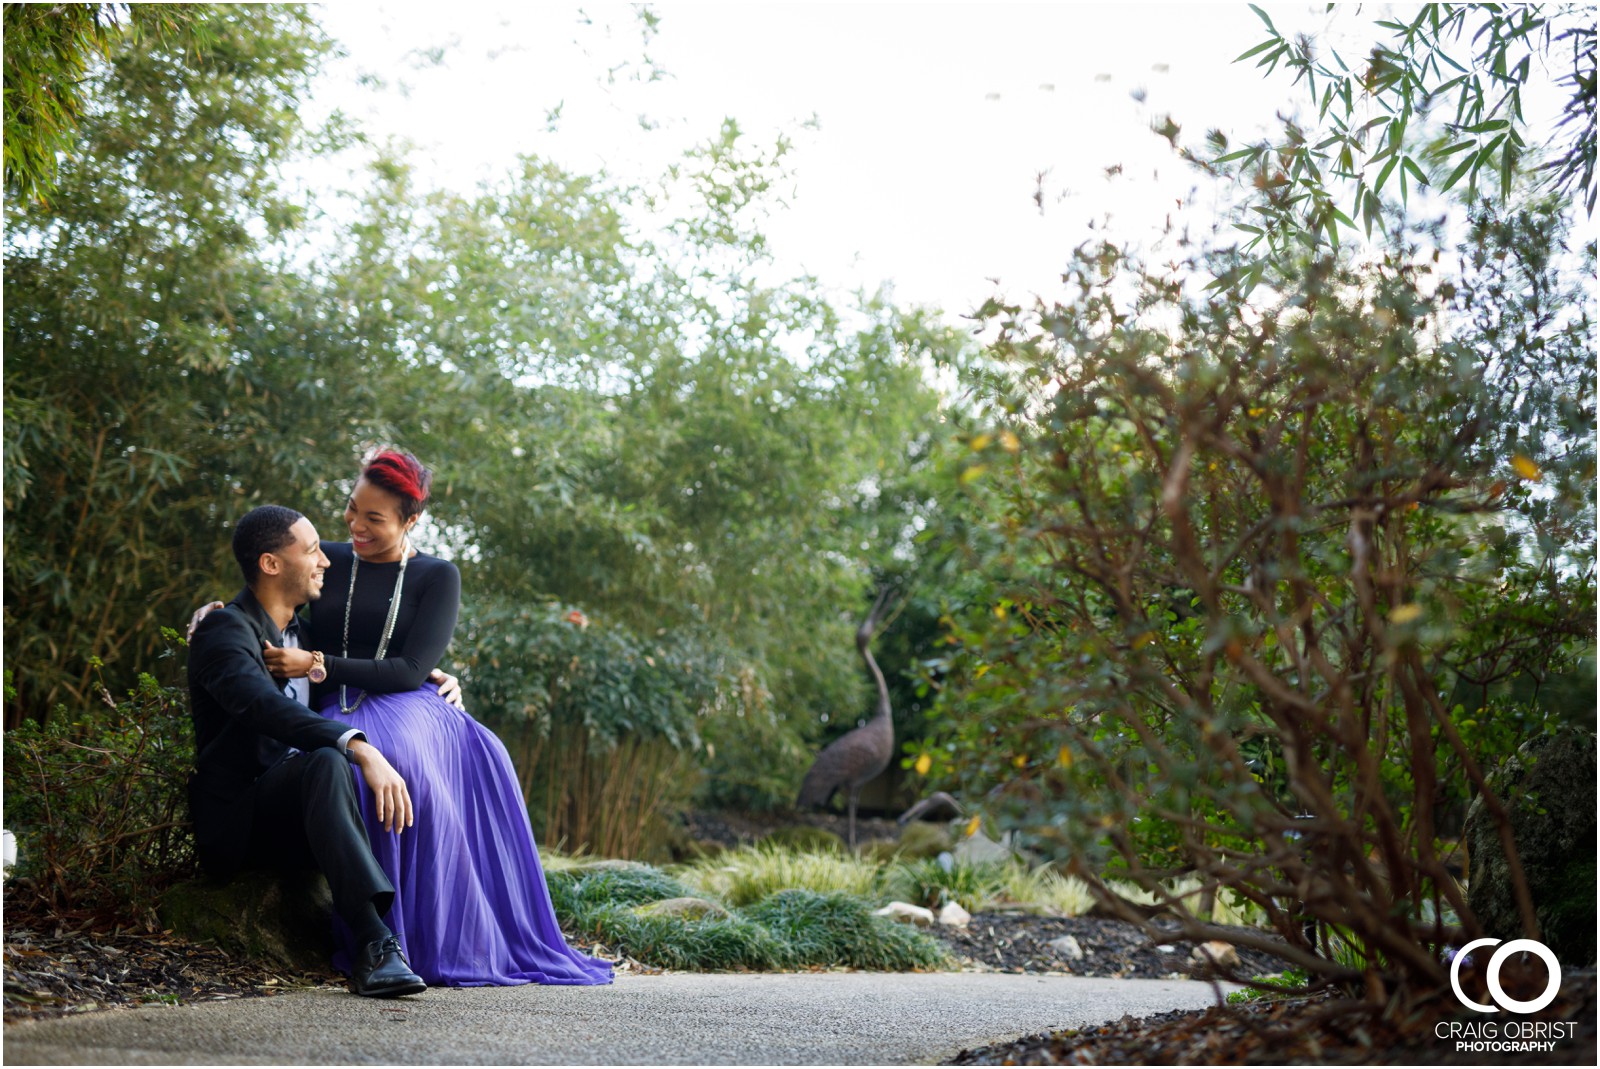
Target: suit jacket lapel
(266, 630)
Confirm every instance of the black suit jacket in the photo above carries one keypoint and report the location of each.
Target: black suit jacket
(243, 725)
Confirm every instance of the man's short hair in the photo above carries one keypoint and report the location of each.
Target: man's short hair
(264, 529)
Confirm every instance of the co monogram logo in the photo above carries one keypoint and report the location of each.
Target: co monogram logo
(1497, 992)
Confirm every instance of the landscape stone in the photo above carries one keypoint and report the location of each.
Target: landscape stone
(1216, 952)
(953, 916)
(1548, 788)
(282, 918)
(906, 913)
(1067, 946)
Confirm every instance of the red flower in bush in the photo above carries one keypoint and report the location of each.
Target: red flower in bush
(576, 617)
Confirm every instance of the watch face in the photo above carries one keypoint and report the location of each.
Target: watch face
(317, 675)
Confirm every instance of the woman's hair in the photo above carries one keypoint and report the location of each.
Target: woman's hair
(403, 476)
(264, 529)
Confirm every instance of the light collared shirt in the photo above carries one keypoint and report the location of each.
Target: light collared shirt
(300, 689)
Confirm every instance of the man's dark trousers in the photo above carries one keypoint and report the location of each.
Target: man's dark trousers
(306, 815)
(271, 786)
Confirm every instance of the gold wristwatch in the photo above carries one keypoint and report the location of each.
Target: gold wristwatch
(319, 670)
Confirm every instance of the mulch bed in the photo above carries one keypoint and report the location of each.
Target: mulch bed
(52, 971)
(1315, 1030)
(1019, 943)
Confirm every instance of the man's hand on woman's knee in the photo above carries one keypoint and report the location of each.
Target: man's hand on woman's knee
(389, 793)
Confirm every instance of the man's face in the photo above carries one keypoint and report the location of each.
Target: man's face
(302, 562)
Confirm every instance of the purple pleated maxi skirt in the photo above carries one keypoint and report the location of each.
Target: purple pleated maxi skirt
(470, 907)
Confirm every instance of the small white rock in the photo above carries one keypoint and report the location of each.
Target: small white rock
(907, 913)
(953, 916)
(1217, 952)
(1067, 946)
(1166, 948)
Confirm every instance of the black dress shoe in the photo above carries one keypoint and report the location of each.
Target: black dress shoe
(381, 971)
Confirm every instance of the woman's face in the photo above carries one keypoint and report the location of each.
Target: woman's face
(373, 516)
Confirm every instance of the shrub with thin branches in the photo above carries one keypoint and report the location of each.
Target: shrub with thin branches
(99, 803)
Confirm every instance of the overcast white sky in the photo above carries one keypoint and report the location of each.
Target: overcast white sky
(933, 121)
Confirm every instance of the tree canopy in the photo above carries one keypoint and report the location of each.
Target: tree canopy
(628, 418)
(50, 49)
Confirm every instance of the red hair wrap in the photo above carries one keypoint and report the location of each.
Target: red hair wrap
(402, 475)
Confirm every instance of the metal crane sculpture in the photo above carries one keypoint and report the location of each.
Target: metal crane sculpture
(938, 806)
(859, 756)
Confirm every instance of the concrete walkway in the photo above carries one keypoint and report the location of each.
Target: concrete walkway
(678, 1018)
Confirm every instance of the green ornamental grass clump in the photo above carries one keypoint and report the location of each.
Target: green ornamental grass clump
(627, 887)
(796, 909)
(1046, 890)
(790, 929)
(708, 944)
(750, 874)
(1289, 984)
(832, 928)
(928, 883)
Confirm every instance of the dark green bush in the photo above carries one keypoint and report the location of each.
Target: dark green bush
(97, 800)
(602, 723)
(546, 664)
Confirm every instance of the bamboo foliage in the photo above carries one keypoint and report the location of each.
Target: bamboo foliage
(612, 801)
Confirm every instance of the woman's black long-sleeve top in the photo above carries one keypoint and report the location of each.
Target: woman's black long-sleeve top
(428, 607)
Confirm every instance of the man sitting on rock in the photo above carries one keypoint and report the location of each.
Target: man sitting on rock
(272, 784)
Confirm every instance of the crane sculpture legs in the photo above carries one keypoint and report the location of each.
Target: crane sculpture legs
(855, 793)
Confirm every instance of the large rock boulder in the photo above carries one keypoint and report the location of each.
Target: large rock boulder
(285, 919)
(1548, 788)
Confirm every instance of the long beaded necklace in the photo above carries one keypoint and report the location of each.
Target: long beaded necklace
(388, 625)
